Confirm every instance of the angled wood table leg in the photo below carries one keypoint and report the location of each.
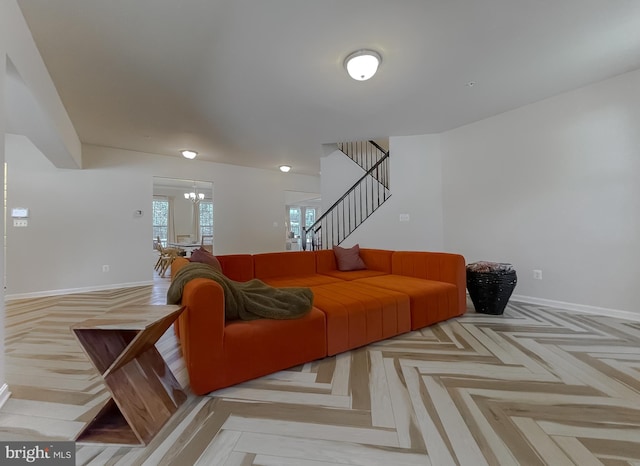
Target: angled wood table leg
(144, 392)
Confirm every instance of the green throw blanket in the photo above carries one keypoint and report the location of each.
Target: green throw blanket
(245, 300)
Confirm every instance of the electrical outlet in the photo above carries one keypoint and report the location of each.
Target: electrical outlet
(105, 268)
(537, 274)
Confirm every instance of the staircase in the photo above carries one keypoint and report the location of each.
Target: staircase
(366, 154)
(359, 202)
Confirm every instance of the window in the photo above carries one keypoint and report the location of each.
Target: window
(294, 221)
(295, 215)
(206, 218)
(160, 220)
(309, 219)
(309, 216)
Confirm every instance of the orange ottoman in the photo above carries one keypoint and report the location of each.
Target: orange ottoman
(431, 301)
(358, 314)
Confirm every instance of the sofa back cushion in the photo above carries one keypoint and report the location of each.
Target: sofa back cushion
(377, 259)
(439, 266)
(374, 259)
(238, 267)
(325, 261)
(284, 264)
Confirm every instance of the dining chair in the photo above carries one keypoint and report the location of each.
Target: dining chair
(207, 243)
(166, 257)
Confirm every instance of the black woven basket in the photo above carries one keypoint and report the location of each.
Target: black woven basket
(490, 291)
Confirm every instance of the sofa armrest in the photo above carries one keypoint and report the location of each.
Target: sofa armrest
(201, 328)
(177, 264)
(439, 266)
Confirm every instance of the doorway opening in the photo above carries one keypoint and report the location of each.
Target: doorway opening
(302, 209)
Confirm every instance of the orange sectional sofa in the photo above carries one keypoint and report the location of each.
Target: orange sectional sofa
(399, 291)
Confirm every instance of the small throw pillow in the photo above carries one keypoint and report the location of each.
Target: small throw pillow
(204, 256)
(349, 259)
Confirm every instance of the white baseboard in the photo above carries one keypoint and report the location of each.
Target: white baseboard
(4, 394)
(601, 311)
(44, 294)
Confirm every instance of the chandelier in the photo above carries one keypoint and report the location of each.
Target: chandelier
(194, 196)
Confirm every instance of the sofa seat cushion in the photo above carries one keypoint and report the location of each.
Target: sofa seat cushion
(431, 301)
(260, 347)
(303, 280)
(358, 314)
(353, 274)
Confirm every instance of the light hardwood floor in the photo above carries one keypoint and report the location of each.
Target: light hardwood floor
(534, 386)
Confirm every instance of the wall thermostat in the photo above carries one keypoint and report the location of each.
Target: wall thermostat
(19, 212)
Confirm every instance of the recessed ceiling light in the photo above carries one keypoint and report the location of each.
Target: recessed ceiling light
(285, 168)
(471, 84)
(362, 64)
(189, 154)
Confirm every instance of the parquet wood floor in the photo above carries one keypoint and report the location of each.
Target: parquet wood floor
(535, 386)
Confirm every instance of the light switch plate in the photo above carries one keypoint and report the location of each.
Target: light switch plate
(19, 212)
(20, 222)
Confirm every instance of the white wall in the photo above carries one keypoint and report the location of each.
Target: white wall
(415, 171)
(553, 186)
(83, 219)
(29, 86)
(4, 390)
(338, 173)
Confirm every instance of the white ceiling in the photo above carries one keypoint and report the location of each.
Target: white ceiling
(261, 83)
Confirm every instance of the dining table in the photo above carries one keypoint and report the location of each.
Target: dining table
(189, 247)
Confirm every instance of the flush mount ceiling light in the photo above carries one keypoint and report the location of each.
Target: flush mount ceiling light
(362, 64)
(285, 168)
(189, 154)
